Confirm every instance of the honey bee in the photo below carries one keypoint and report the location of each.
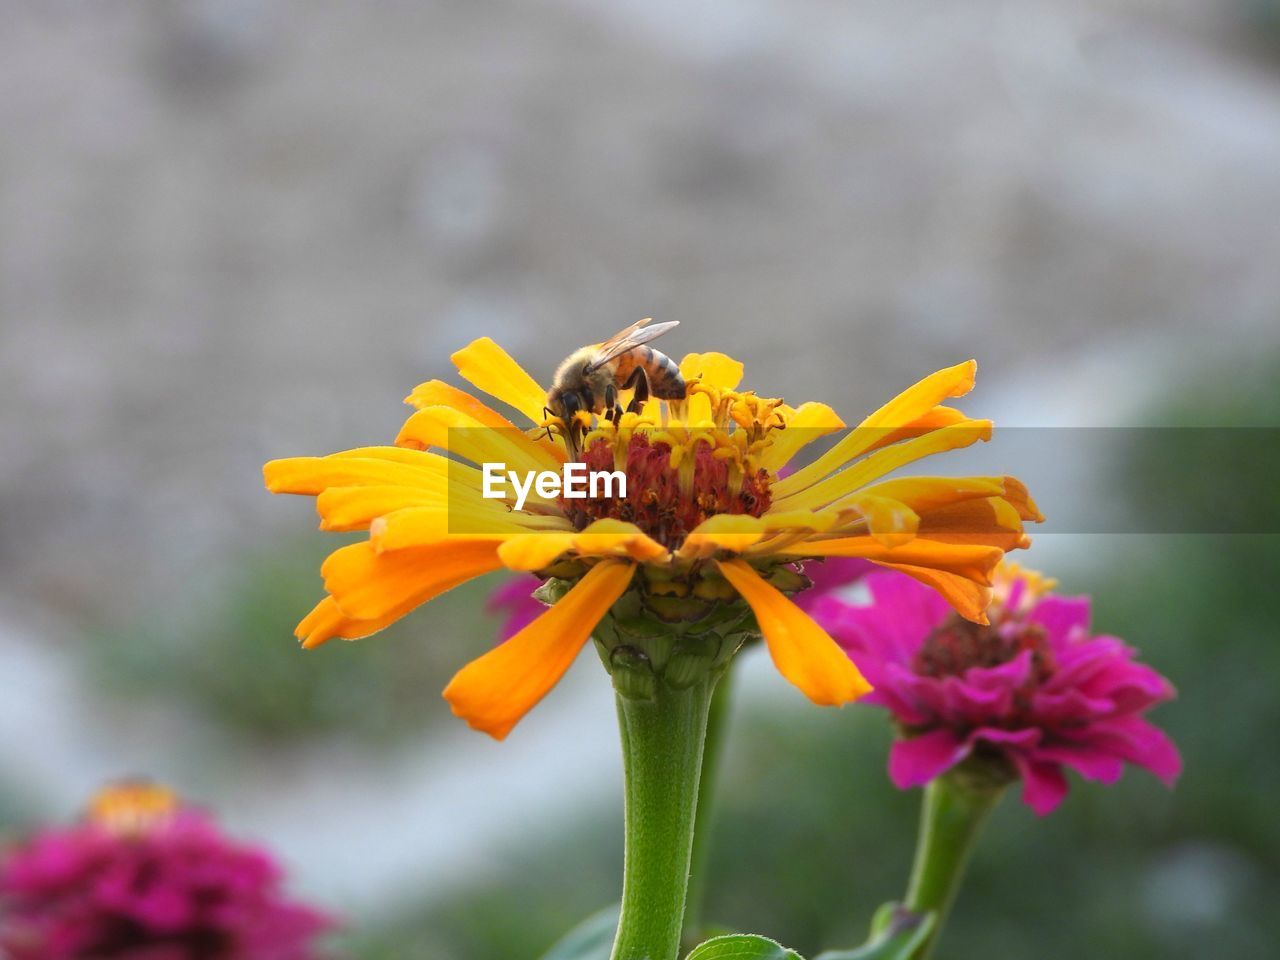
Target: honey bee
(592, 378)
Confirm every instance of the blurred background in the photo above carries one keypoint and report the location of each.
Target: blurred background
(232, 230)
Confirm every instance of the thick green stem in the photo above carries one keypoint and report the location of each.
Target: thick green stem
(662, 746)
(704, 821)
(951, 818)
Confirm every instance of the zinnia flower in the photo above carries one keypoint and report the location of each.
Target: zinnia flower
(1031, 692)
(706, 519)
(146, 879)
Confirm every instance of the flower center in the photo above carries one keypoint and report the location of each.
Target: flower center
(132, 806)
(670, 489)
(956, 645)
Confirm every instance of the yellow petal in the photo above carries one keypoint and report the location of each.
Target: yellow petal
(889, 521)
(448, 429)
(534, 551)
(493, 692)
(935, 419)
(714, 369)
(809, 422)
(354, 468)
(354, 508)
(490, 368)
(924, 395)
(914, 402)
(618, 538)
(876, 465)
(368, 585)
(923, 494)
(437, 393)
(801, 650)
(725, 531)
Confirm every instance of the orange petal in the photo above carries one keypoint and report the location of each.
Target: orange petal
(485, 364)
(801, 650)
(1015, 491)
(493, 692)
(969, 599)
(993, 521)
(972, 561)
(368, 585)
(327, 621)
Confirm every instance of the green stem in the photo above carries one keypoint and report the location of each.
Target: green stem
(662, 746)
(951, 817)
(717, 726)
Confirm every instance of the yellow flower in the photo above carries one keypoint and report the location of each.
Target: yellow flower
(707, 516)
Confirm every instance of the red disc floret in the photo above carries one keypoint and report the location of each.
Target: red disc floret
(668, 502)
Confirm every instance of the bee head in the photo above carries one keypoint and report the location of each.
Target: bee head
(564, 403)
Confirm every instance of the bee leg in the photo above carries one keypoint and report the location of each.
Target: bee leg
(611, 411)
(640, 381)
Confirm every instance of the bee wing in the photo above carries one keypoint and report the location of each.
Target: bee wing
(632, 336)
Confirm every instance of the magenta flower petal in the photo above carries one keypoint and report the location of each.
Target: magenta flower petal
(1044, 785)
(1061, 616)
(1033, 686)
(915, 761)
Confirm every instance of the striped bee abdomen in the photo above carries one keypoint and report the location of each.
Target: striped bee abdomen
(665, 379)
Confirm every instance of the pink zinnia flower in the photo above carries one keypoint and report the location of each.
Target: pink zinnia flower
(1034, 692)
(514, 598)
(143, 879)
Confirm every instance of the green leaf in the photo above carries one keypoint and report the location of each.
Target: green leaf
(592, 939)
(896, 934)
(741, 946)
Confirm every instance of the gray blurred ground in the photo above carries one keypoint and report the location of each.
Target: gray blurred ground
(238, 229)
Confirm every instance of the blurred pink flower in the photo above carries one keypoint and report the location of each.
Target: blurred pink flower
(514, 599)
(148, 881)
(1034, 688)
